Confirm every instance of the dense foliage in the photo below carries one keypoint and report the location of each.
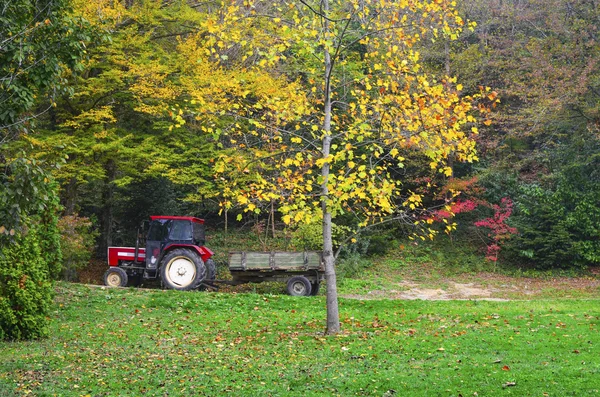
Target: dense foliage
(25, 191)
(559, 220)
(40, 41)
(77, 242)
(541, 149)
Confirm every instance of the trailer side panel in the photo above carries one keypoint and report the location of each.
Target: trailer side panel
(272, 261)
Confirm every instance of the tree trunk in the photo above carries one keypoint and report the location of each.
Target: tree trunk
(107, 210)
(273, 218)
(70, 196)
(333, 315)
(447, 56)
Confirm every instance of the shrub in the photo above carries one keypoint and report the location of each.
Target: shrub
(25, 288)
(310, 236)
(77, 240)
(498, 229)
(558, 216)
(50, 242)
(559, 228)
(352, 265)
(30, 256)
(378, 244)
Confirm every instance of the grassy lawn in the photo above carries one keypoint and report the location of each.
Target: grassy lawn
(165, 343)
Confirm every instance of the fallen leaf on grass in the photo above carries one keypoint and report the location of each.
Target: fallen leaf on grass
(508, 384)
(506, 368)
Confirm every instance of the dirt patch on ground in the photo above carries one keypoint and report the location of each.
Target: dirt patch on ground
(488, 286)
(413, 291)
(453, 290)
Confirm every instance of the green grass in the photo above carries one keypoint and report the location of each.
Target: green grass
(166, 343)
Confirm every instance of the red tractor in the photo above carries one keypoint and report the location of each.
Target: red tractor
(174, 252)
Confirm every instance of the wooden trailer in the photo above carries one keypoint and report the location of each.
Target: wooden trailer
(302, 271)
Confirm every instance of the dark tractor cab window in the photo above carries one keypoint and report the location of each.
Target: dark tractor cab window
(181, 231)
(159, 230)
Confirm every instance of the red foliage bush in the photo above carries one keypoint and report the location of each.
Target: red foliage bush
(499, 230)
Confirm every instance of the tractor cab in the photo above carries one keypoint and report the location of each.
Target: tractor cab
(180, 229)
(173, 252)
(167, 232)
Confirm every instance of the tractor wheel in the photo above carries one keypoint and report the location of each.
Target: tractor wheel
(298, 286)
(182, 269)
(115, 277)
(211, 270)
(315, 287)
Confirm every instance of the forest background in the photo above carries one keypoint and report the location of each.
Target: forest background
(100, 129)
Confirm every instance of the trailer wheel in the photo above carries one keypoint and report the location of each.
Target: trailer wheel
(315, 287)
(182, 269)
(115, 277)
(298, 286)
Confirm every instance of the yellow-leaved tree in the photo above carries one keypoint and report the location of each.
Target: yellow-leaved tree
(318, 104)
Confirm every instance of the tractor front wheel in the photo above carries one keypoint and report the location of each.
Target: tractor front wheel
(182, 269)
(115, 277)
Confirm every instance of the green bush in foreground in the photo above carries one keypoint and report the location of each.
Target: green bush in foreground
(25, 288)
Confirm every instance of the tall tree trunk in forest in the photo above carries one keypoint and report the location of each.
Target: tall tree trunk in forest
(70, 196)
(106, 240)
(447, 56)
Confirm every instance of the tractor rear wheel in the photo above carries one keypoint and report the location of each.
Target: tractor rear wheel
(115, 277)
(182, 269)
